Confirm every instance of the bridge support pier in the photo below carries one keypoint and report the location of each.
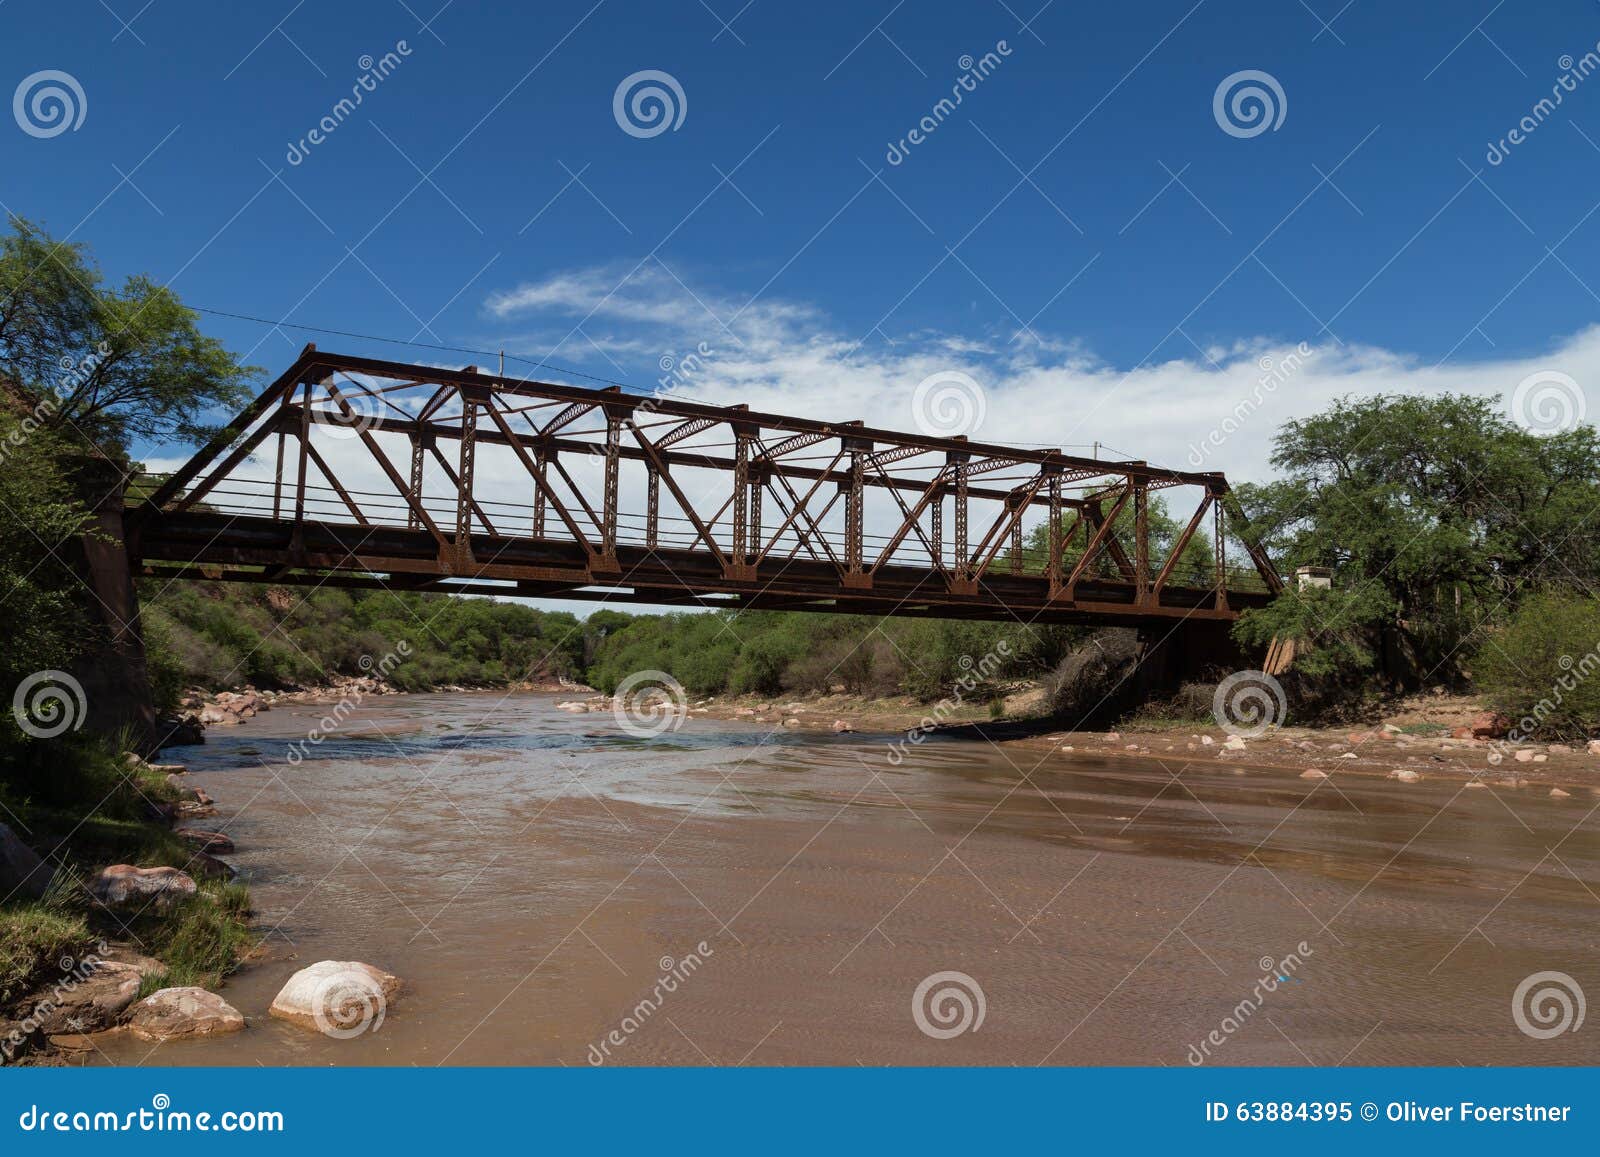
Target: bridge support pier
(1194, 651)
(112, 671)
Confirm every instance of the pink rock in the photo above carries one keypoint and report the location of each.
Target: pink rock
(179, 1013)
(124, 884)
(1490, 725)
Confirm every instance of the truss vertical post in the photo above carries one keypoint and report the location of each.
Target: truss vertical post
(1052, 566)
(1222, 557)
(469, 453)
(741, 490)
(962, 568)
(305, 443)
(277, 480)
(652, 505)
(608, 536)
(1016, 547)
(854, 514)
(756, 486)
(1141, 541)
(542, 456)
(936, 529)
(419, 448)
(961, 581)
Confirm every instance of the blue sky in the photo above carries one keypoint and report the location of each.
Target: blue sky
(1080, 234)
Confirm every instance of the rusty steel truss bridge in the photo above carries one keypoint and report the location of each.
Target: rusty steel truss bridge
(357, 472)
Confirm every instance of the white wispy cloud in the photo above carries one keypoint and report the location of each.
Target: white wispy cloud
(1040, 389)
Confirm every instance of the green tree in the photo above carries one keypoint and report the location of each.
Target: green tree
(110, 363)
(1436, 514)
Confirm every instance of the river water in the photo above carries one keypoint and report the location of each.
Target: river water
(534, 876)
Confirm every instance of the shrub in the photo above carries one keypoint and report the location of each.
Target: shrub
(1095, 682)
(1543, 667)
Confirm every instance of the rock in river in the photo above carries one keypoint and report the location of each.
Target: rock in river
(179, 1013)
(125, 884)
(338, 998)
(205, 841)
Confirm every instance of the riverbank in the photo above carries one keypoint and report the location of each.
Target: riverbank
(105, 913)
(1425, 736)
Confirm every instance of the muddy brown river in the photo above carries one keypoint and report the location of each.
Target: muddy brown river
(556, 892)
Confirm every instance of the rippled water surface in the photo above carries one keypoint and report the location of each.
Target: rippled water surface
(533, 875)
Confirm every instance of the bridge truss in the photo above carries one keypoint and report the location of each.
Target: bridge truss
(358, 472)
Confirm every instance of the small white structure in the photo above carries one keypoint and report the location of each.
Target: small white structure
(1318, 577)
